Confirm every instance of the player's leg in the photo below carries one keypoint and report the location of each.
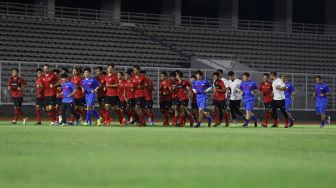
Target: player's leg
(16, 111)
(64, 106)
(268, 111)
(74, 113)
(282, 106)
(233, 110)
(288, 105)
(214, 109)
(320, 110)
(275, 114)
(49, 105)
(248, 107)
(176, 111)
(38, 110)
(101, 108)
(139, 104)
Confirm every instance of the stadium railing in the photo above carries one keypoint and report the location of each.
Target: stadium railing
(159, 19)
(304, 83)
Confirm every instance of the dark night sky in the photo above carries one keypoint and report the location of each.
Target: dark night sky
(308, 11)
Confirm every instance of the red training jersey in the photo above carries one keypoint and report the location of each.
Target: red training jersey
(164, 89)
(111, 80)
(122, 90)
(173, 88)
(16, 84)
(149, 90)
(182, 89)
(219, 84)
(59, 91)
(266, 89)
(49, 81)
(39, 88)
(101, 92)
(139, 81)
(77, 81)
(129, 89)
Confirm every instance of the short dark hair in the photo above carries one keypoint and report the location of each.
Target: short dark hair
(164, 73)
(100, 68)
(65, 69)
(87, 69)
(199, 72)
(193, 76)
(122, 74)
(172, 73)
(46, 65)
(56, 70)
(129, 71)
(318, 76)
(266, 74)
(274, 73)
(15, 69)
(179, 73)
(137, 67)
(231, 73)
(110, 65)
(246, 74)
(104, 73)
(39, 69)
(216, 73)
(64, 75)
(220, 71)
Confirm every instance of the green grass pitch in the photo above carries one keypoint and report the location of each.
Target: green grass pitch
(44, 156)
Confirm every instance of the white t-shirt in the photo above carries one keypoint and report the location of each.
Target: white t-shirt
(226, 82)
(235, 91)
(278, 94)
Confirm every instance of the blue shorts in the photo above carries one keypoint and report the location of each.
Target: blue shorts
(321, 107)
(201, 102)
(249, 103)
(288, 104)
(90, 99)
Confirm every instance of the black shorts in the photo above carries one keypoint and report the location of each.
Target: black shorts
(112, 100)
(39, 101)
(220, 104)
(123, 105)
(268, 105)
(165, 105)
(140, 102)
(175, 101)
(184, 102)
(80, 101)
(17, 101)
(149, 104)
(59, 101)
(101, 100)
(194, 105)
(131, 102)
(50, 101)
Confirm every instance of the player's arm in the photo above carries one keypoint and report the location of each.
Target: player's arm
(281, 86)
(73, 92)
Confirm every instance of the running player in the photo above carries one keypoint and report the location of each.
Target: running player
(149, 99)
(248, 89)
(101, 91)
(90, 88)
(59, 96)
(49, 81)
(16, 85)
(194, 107)
(289, 95)
(129, 97)
(183, 89)
(112, 98)
(140, 84)
(79, 100)
(122, 93)
(226, 83)
(165, 97)
(279, 100)
(201, 87)
(39, 95)
(219, 103)
(266, 89)
(235, 96)
(69, 90)
(322, 91)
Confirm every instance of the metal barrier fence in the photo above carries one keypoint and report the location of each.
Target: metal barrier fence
(304, 83)
(159, 19)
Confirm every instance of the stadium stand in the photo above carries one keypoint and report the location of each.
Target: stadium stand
(72, 41)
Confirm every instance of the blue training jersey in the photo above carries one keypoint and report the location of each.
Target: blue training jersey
(290, 89)
(247, 88)
(68, 87)
(201, 86)
(89, 85)
(319, 89)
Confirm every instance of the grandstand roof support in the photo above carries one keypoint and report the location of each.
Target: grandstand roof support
(229, 10)
(172, 7)
(283, 13)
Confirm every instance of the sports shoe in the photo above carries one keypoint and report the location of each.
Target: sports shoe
(217, 124)
(245, 126)
(38, 123)
(85, 123)
(52, 123)
(99, 121)
(256, 122)
(322, 126)
(198, 125)
(275, 126)
(13, 122)
(329, 120)
(60, 119)
(63, 124)
(291, 122)
(264, 125)
(24, 121)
